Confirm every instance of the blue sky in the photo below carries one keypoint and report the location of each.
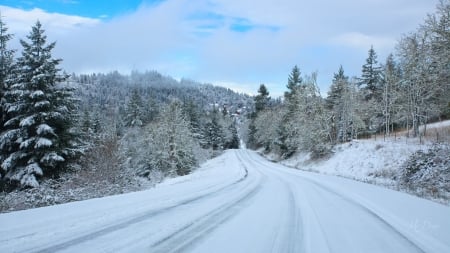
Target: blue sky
(86, 8)
(235, 43)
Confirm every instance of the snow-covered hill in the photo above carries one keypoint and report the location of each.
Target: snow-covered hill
(379, 161)
(360, 159)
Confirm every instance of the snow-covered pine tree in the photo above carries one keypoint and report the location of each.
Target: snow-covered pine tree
(371, 76)
(262, 99)
(251, 133)
(309, 122)
(38, 139)
(172, 143)
(192, 114)
(371, 90)
(266, 128)
(287, 130)
(6, 68)
(214, 133)
(341, 104)
(294, 82)
(134, 110)
(233, 141)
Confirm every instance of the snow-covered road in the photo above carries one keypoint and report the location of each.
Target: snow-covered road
(238, 202)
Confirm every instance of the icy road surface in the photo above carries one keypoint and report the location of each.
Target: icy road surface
(238, 202)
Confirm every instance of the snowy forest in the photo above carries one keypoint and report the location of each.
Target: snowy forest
(107, 133)
(407, 90)
(105, 127)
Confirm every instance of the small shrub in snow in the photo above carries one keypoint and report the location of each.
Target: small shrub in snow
(378, 147)
(321, 150)
(427, 173)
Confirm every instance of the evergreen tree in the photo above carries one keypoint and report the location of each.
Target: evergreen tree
(192, 114)
(342, 103)
(294, 82)
(86, 125)
(266, 125)
(6, 68)
(287, 131)
(262, 99)
(251, 135)
(261, 102)
(172, 143)
(151, 110)
(336, 89)
(214, 134)
(371, 75)
(233, 142)
(41, 110)
(134, 110)
(335, 103)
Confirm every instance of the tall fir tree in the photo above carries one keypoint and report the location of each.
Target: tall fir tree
(261, 102)
(291, 96)
(262, 99)
(38, 139)
(341, 104)
(371, 76)
(294, 82)
(335, 103)
(233, 141)
(214, 134)
(6, 68)
(134, 110)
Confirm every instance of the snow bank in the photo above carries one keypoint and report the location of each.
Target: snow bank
(380, 162)
(361, 159)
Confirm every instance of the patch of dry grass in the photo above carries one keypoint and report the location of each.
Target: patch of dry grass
(438, 134)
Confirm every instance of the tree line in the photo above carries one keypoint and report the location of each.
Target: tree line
(410, 89)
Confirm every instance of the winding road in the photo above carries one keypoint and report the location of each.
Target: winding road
(238, 202)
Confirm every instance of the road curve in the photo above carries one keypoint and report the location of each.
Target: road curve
(238, 202)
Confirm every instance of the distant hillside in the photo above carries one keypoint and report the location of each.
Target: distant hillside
(113, 90)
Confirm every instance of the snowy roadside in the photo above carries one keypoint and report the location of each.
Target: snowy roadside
(83, 185)
(379, 162)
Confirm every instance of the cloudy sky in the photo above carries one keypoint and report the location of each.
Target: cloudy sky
(235, 43)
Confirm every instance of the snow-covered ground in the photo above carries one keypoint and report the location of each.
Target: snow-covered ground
(376, 160)
(237, 202)
(361, 159)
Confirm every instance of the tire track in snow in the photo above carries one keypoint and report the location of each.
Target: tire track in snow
(349, 200)
(290, 236)
(369, 212)
(187, 236)
(126, 223)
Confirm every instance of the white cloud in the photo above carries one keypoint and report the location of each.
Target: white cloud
(316, 35)
(20, 20)
(363, 41)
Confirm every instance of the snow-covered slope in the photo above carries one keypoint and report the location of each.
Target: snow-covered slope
(361, 159)
(377, 160)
